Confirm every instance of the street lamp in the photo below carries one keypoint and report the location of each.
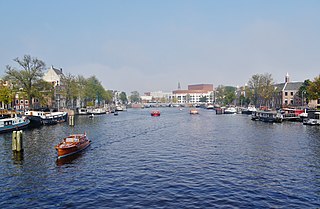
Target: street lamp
(302, 102)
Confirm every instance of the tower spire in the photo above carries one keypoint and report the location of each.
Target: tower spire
(179, 87)
(286, 80)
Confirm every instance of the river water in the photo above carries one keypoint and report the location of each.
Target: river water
(176, 160)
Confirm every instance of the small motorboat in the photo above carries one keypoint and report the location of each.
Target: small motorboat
(116, 113)
(72, 145)
(155, 113)
(91, 116)
(194, 111)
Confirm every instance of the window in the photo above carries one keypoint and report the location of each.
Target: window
(21, 101)
(26, 102)
(291, 93)
(286, 93)
(17, 101)
(286, 102)
(291, 101)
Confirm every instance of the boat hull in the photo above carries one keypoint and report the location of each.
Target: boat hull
(65, 152)
(15, 127)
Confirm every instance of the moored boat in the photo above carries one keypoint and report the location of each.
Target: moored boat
(38, 118)
(313, 118)
(290, 114)
(72, 145)
(267, 116)
(13, 123)
(155, 113)
(230, 110)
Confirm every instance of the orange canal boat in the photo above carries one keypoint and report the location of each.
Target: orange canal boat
(72, 144)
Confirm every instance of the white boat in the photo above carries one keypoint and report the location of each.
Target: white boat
(13, 124)
(45, 118)
(230, 110)
(82, 111)
(97, 111)
(313, 118)
(210, 107)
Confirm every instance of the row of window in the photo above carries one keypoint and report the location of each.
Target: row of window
(21, 101)
(286, 93)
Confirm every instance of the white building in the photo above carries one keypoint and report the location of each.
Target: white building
(194, 94)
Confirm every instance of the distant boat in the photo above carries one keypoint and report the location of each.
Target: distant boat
(313, 118)
(267, 116)
(155, 113)
(13, 123)
(194, 111)
(72, 144)
(230, 110)
(210, 107)
(116, 113)
(97, 111)
(91, 116)
(248, 110)
(82, 111)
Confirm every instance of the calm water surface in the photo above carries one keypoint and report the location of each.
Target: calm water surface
(176, 160)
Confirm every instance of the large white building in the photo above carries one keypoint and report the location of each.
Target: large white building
(194, 95)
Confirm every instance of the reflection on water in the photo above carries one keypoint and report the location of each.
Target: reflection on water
(176, 160)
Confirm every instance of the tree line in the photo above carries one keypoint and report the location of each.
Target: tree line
(260, 89)
(26, 80)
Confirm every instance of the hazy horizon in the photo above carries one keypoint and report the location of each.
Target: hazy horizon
(152, 45)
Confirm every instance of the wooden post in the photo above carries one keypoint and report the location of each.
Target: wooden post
(19, 141)
(14, 141)
(71, 120)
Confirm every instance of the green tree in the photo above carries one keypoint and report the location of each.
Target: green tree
(6, 95)
(314, 89)
(70, 90)
(230, 94)
(123, 98)
(203, 99)
(303, 91)
(109, 96)
(94, 91)
(28, 76)
(135, 97)
(262, 86)
(81, 86)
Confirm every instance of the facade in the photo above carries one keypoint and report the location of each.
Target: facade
(55, 76)
(194, 94)
(286, 94)
(156, 96)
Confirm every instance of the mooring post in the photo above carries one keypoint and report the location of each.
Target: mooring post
(14, 141)
(19, 141)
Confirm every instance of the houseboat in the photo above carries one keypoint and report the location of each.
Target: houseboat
(13, 123)
(38, 118)
(267, 116)
(72, 144)
(313, 118)
(290, 114)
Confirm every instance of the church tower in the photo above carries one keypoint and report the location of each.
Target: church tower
(286, 79)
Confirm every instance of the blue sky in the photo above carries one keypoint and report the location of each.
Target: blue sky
(151, 45)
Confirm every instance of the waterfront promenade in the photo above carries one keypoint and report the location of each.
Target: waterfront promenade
(176, 160)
